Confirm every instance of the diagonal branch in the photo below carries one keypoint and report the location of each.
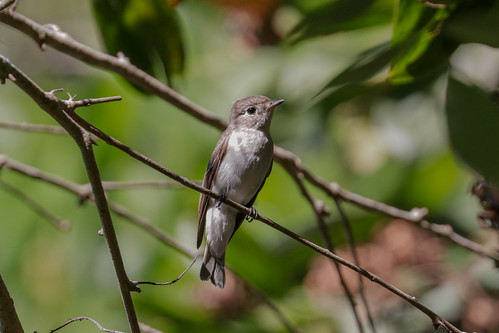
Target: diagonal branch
(60, 224)
(32, 127)
(47, 35)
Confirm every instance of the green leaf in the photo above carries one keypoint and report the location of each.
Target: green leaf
(429, 51)
(368, 64)
(145, 31)
(473, 122)
(340, 15)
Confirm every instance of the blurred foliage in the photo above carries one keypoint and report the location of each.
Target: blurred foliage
(372, 88)
(147, 32)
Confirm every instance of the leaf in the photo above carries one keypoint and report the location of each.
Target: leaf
(368, 64)
(340, 15)
(429, 50)
(473, 123)
(145, 31)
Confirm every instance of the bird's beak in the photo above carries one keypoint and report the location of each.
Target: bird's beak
(274, 104)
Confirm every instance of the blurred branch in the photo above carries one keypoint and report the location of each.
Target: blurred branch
(52, 36)
(348, 231)
(60, 224)
(148, 329)
(81, 319)
(321, 211)
(109, 185)
(57, 109)
(9, 321)
(33, 127)
(415, 215)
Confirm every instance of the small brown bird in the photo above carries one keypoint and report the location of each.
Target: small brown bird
(237, 170)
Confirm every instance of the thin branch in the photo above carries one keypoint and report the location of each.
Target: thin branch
(320, 211)
(415, 215)
(99, 326)
(47, 35)
(127, 185)
(60, 224)
(169, 282)
(33, 127)
(148, 329)
(349, 233)
(9, 321)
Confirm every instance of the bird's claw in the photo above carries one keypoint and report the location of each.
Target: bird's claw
(223, 197)
(252, 215)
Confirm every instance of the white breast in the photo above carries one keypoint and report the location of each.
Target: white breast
(245, 165)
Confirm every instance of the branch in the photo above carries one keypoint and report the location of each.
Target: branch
(351, 245)
(47, 35)
(320, 211)
(60, 224)
(114, 185)
(81, 319)
(33, 127)
(9, 321)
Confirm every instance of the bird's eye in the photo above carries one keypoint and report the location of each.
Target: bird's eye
(251, 110)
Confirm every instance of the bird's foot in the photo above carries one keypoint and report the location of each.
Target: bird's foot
(223, 197)
(252, 215)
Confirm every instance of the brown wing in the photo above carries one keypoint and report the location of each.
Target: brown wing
(240, 216)
(209, 175)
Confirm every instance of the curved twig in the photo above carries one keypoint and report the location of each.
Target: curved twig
(169, 282)
(99, 326)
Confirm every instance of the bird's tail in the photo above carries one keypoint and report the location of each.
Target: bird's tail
(213, 268)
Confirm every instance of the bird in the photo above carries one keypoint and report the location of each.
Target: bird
(237, 170)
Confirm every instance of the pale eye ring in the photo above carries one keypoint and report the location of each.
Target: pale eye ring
(251, 110)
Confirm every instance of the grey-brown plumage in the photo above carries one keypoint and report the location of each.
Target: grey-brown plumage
(237, 169)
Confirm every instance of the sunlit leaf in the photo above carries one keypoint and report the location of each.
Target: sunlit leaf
(429, 50)
(473, 121)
